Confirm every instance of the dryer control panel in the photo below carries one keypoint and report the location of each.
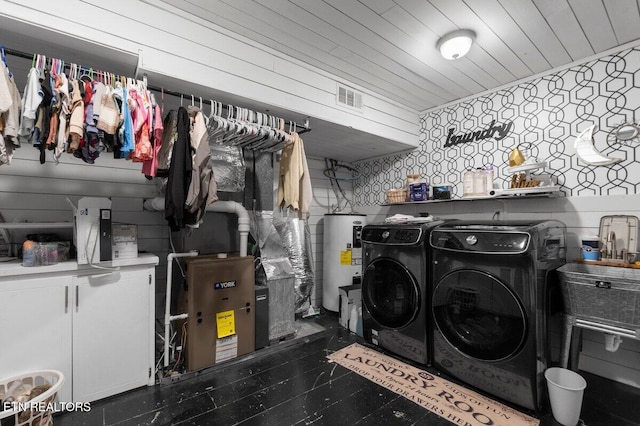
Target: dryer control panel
(481, 241)
(395, 236)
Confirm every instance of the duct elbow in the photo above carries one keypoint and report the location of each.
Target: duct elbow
(154, 204)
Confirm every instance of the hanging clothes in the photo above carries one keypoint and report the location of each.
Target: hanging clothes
(76, 121)
(125, 137)
(63, 96)
(150, 167)
(6, 99)
(89, 149)
(202, 189)
(179, 174)
(109, 117)
(142, 124)
(9, 114)
(169, 136)
(31, 99)
(98, 92)
(294, 188)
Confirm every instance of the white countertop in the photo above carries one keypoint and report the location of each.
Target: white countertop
(15, 268)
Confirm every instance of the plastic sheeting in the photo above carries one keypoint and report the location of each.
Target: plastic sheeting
(296, 237)
(226, 161)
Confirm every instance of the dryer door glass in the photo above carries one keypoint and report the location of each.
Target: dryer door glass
(390, 293)
(479, 315)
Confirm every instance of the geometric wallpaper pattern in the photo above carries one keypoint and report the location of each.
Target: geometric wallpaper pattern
(547, 114)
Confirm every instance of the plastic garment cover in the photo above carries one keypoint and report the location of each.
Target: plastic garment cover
(296, 237)
(226, 161)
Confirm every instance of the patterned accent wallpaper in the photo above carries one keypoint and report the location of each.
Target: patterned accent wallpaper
(547, 114)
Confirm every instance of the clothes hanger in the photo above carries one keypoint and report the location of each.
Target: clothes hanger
(280, 136)
(87, 74)
(219, 125)
(233, 112)
(243, 128)
(270, 135)
(225, 123)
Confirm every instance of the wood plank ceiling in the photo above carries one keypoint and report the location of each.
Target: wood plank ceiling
(389, 46)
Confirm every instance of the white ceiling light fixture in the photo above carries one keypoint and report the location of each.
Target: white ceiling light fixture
(456, 44)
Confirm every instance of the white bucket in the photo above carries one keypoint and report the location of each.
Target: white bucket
(565, 394)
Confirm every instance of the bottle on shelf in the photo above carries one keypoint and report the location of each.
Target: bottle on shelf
(479, 182)
(467, 183)
(489, 178)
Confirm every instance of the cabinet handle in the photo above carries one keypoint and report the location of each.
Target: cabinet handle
(66, 298)
(77, 295)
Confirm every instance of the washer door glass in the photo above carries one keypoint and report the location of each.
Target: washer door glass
(390, 293)
(479, 315)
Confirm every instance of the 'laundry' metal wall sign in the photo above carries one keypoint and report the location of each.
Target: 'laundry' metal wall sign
(501, 130)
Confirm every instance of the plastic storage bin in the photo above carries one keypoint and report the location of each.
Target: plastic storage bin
(39, 254)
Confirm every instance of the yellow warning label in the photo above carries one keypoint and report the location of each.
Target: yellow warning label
(345, 257)
(226, 324)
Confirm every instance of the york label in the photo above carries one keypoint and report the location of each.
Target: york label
(225, 284)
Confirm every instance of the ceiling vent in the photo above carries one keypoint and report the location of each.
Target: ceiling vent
(348, 97)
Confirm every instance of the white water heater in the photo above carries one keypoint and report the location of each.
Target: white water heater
(342, 255)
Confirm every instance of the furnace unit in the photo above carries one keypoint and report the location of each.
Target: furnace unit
(220, 301)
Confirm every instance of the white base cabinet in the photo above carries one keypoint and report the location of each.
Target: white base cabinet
(96, 326)
(36, 328)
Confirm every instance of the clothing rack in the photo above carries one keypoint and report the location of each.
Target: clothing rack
(300, 128)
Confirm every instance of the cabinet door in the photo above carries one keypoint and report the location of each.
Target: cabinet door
(35, 328)
(111, 333)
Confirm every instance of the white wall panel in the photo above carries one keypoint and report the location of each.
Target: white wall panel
(187, 53)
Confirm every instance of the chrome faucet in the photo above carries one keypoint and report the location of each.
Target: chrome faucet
(611, 245)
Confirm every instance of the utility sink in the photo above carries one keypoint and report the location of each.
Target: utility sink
(605, 294)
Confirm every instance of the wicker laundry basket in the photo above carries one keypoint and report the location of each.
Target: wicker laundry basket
(36, 411)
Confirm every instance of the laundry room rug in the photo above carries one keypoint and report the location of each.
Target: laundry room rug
(446, 399)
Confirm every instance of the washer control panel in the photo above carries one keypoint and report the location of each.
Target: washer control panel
(395, 236)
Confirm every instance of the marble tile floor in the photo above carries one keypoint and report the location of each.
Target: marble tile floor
(291, 382)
